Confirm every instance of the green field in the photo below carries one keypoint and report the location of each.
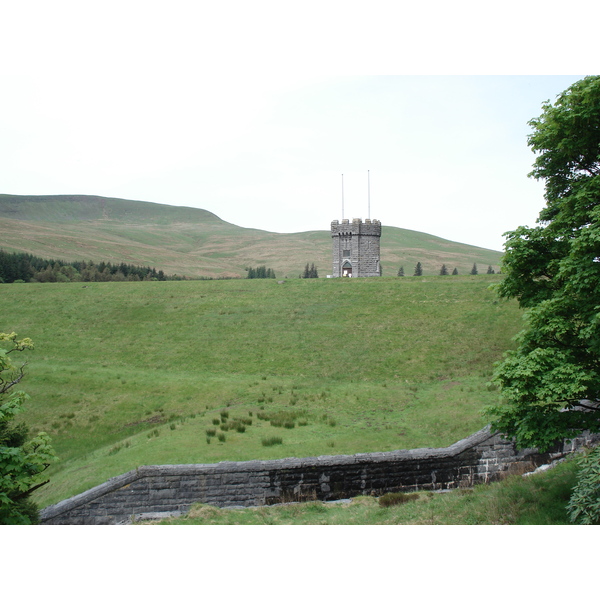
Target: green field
(126, 374)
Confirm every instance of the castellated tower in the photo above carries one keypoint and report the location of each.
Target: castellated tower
(356, 248)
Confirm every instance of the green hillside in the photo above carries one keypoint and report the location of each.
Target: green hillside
(126, 374)
(194, 242)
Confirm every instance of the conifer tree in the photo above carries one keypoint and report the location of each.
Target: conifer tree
(418, 270)
(443, 270)
(401, 272)
(474, 269)
(455, 272)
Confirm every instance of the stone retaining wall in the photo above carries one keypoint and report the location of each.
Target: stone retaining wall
(480, 458)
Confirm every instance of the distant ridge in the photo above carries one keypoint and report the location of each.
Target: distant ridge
(91, 208)
(195, 242)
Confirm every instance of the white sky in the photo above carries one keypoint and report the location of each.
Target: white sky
(254, 110)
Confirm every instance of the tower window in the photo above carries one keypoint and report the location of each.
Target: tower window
(345, 253)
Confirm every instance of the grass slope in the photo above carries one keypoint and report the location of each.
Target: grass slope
(126, 374)
(195, 242)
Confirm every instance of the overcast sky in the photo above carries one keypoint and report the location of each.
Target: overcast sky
(254, 110)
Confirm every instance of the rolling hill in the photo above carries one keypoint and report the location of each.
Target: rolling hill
(197, 243)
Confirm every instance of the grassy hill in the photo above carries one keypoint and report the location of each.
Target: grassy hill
(126, 374)
(195, 242)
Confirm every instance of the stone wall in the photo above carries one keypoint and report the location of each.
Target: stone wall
(480, 458)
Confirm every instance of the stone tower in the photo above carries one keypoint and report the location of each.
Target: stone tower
(356, 248)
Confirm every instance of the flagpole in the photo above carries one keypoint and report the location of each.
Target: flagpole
(369, 193)
(342, 196)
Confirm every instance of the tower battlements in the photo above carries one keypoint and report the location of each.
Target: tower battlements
(356, 248)
(356, 227)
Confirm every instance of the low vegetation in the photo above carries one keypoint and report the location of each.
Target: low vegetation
(327, 365)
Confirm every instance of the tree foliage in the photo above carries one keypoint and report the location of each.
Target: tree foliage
(551, 383)
(260, 273)
(310, 272)
(21, 460)
(584, 504)
(19, 266)
(418, 270)
(401, 272)
(444, 270)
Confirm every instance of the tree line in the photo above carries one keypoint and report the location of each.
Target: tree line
(23, 267)
(260, 273)
(444, 270)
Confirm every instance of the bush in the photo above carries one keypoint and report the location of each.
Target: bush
(584, 504)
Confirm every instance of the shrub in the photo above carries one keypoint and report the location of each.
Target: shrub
(396, 498)
(211, 432)
(221, 437)
(584, 504)
(216, 421)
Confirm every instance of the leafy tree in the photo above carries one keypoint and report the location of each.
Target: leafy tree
(418, 270)
(474, 269)
(443, 270)
(455, 271)
(21, 460)
(550, 384)
(401, 272)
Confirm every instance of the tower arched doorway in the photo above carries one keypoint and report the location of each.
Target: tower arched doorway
(347, 269)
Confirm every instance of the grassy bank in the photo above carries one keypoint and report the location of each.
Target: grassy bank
(126, 374)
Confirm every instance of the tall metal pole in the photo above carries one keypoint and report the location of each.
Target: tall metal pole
(342, 196)
(369, 194)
